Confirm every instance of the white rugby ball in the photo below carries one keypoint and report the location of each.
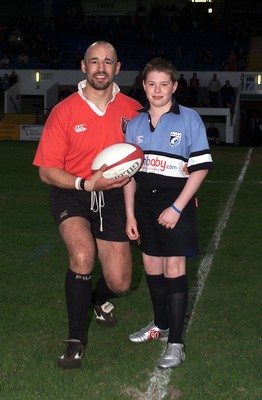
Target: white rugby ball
(121, 159)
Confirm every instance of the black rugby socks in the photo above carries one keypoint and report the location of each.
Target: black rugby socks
(78, 292)
(177, 295)
(157, 289)
(102, 292)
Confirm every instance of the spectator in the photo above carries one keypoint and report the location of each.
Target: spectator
(193, 90)
(255, 130)
(181, 92)
(12, 78)
(222, 66)
(179, 55)
(23, 58)
(136, 91)
(209, 58)
(212, 134)
(227, 94)
(231, 61)
(214, 88)
(4, 62)
(15, 36)
(140, 7)
(200, 58)
(5, 82)
(241, 65)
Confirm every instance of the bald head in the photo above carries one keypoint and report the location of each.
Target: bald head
(102, 44)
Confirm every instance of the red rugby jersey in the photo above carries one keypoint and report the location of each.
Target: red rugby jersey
(74, 133)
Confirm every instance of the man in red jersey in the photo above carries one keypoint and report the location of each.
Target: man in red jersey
(88, 209)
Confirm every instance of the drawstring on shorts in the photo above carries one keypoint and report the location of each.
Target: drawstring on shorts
(97, 203)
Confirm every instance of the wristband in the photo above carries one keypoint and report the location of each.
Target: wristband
(77, 183)
(176, 209)
(82, 184)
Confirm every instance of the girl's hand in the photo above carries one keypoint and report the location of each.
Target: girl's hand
(168, 218)
(131, 229)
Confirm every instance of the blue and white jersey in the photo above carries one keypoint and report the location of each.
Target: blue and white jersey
(179, 138)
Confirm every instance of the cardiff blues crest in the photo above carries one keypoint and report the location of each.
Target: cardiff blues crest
(175, 139)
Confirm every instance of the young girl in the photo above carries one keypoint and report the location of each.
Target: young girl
(161, 205)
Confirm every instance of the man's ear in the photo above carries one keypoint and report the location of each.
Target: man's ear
(83, 67)
(118, 66)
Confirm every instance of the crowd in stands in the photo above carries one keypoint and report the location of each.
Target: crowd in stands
(61, 41)
(25, 43)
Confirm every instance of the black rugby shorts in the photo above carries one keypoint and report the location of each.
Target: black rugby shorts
(67, 203)
(156, 240)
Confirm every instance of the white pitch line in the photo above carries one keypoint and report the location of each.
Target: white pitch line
(158, 384)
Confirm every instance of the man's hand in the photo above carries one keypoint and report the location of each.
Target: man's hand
(98, 182)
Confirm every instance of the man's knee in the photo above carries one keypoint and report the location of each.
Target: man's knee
(119, 285)
(81, 262)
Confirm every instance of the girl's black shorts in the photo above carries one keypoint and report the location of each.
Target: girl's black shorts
(156, 240)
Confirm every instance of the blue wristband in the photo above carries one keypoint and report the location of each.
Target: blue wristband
(176, 209)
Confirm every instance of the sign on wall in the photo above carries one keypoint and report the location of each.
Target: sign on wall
(9, 131)
(31, 132)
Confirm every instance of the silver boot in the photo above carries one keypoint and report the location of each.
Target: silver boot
(173, 357)
(150, 332)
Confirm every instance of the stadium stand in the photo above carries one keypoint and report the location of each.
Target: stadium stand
(59, 43)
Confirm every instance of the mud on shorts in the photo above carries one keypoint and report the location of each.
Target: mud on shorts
(104, 210)
(156, 240)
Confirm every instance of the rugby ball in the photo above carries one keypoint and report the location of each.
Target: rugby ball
(121, 159)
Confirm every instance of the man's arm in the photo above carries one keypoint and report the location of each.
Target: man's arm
(64, 180)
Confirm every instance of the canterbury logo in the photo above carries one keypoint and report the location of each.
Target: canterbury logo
(80, 128)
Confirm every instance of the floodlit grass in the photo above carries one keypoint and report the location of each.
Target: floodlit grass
(223, 341)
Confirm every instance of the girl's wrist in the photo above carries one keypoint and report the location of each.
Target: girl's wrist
(176, 209)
